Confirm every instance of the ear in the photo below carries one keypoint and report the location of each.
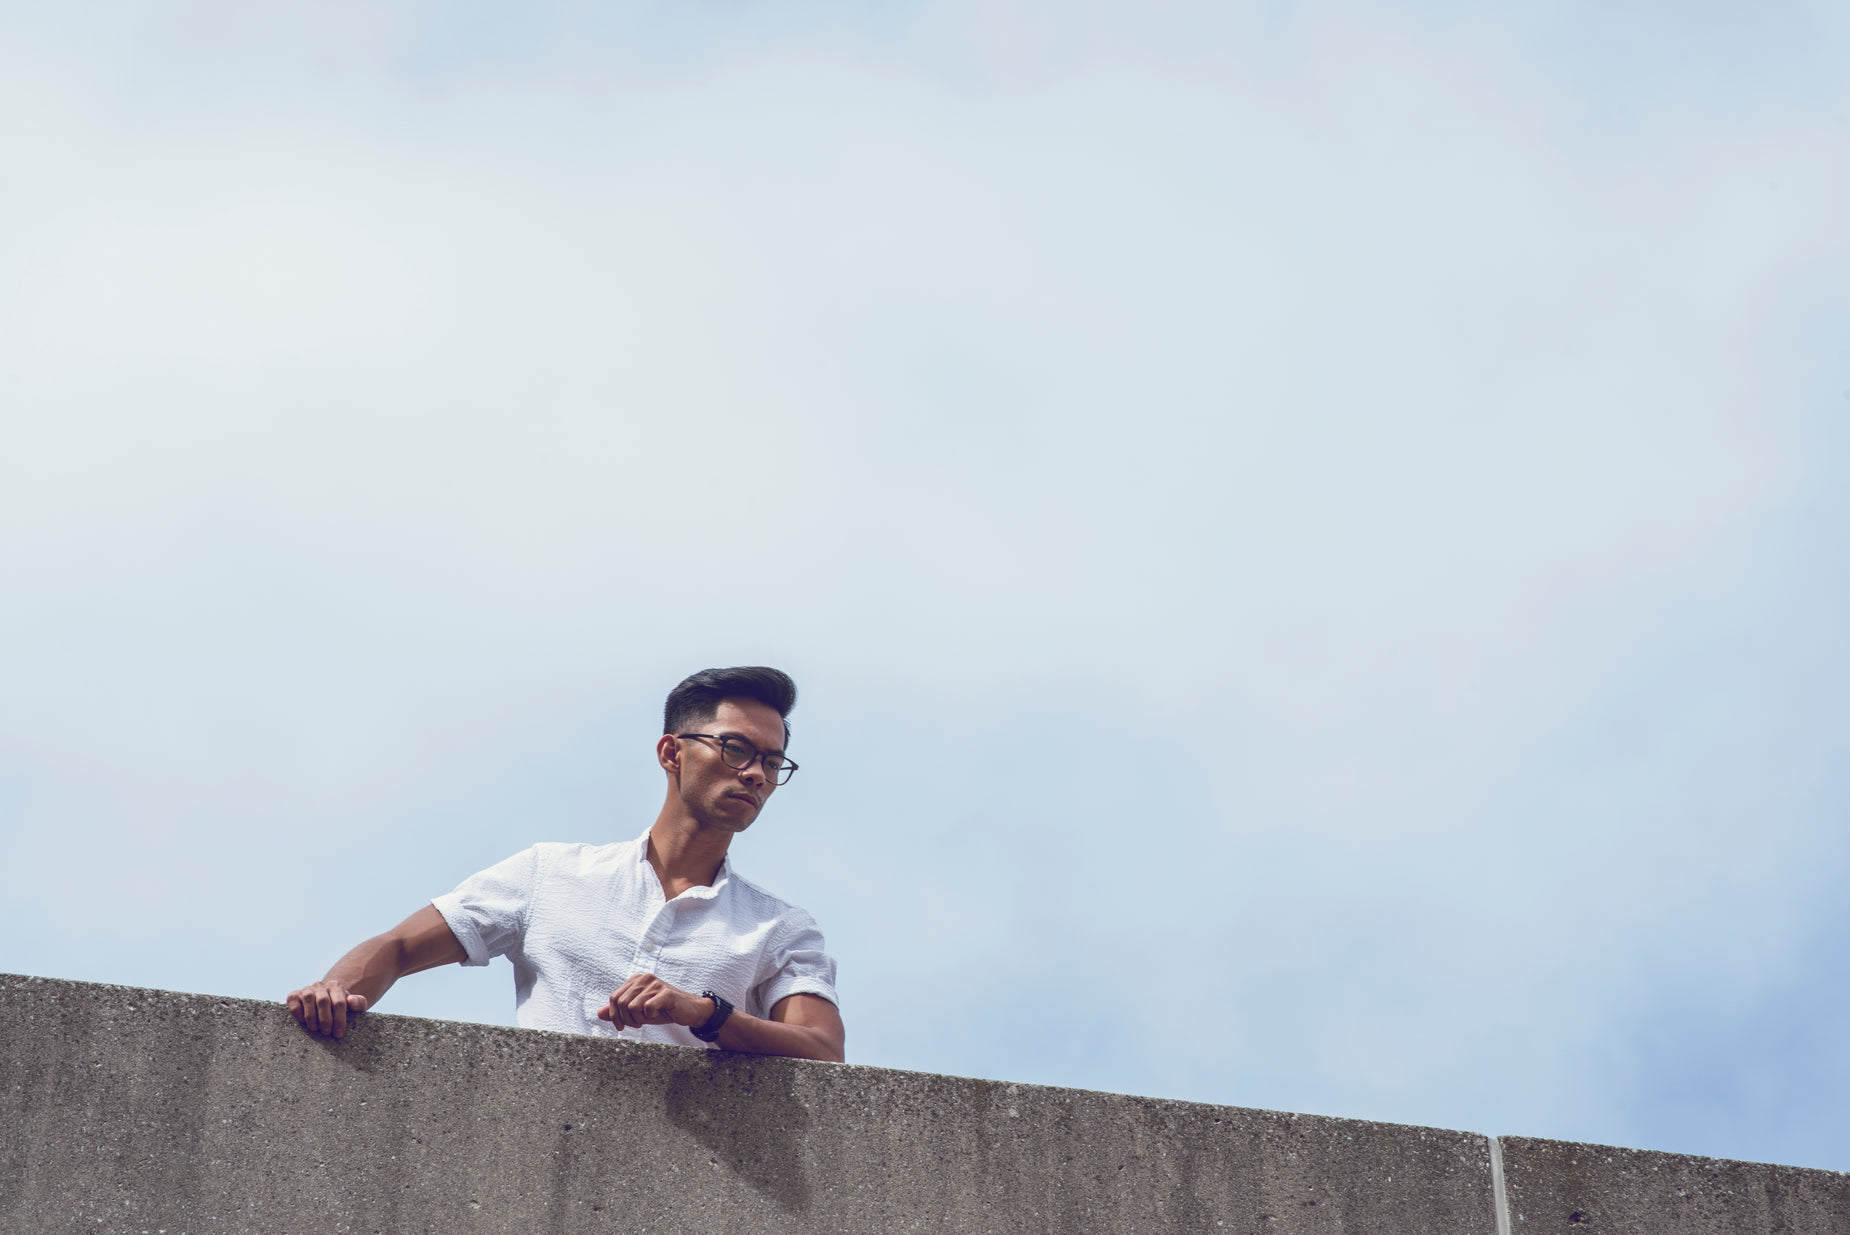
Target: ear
(668, 753)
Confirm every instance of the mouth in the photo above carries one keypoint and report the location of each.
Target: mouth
(746, 798)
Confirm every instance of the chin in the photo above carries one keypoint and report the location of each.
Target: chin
(738, 818)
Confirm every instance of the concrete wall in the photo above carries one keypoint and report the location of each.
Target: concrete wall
(125, 1110)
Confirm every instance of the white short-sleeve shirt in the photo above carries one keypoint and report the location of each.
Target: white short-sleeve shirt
(579, 920)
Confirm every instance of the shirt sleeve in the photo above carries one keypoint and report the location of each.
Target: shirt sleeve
(488, 911)
(799, 964)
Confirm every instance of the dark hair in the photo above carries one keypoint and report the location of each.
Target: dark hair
(699, 695)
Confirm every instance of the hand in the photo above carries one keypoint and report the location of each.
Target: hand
(323, 1007)
(647, 1000)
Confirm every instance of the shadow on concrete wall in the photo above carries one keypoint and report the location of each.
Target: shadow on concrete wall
(757, 1131)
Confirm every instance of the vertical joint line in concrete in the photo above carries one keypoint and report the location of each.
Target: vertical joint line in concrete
(1499, 1198)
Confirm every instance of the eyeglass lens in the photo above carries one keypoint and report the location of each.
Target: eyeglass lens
(738, 755)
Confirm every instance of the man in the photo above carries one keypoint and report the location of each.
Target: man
(657, 935)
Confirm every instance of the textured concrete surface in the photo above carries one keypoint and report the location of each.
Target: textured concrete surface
(1558, 1186)
(136, 1110)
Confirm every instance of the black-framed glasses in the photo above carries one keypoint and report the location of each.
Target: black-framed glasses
(738, 754)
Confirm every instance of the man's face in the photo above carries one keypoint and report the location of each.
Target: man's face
(721, 796)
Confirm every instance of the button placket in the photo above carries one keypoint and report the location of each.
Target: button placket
(655, 935)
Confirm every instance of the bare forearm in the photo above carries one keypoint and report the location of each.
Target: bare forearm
(358, 979)
(371, 968)
(800, 1026)
(762, 1037)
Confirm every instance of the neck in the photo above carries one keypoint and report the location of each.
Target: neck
(684, 854)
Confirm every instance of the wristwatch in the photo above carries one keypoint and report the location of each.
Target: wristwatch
(722, 1008)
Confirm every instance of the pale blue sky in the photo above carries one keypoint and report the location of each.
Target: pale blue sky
(1313, 541)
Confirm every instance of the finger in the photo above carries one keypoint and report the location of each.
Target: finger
(294, 1004)
(337, 1009)
(659, 1003)
(637, 1009)
(359, 1003)
(639, 1005)
(324, 1014)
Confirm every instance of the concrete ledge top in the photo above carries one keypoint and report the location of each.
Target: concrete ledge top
(130, 1109)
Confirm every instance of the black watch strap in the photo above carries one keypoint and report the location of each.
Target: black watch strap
(722, 1008)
